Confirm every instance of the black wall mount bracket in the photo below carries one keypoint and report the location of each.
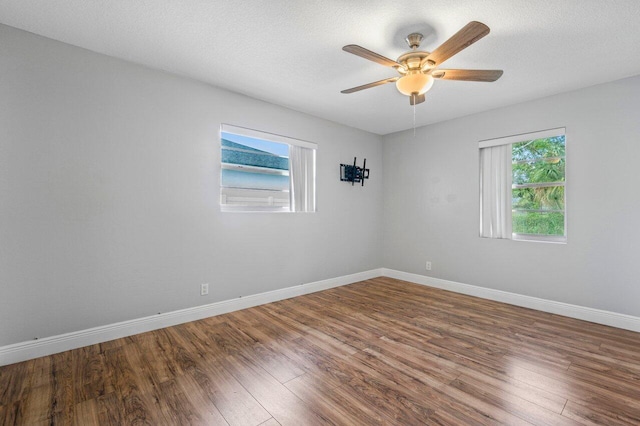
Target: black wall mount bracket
(353, 173)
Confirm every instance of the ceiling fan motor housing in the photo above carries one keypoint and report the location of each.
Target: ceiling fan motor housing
(412, 61)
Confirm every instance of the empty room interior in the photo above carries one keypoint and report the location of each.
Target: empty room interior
(273, 213)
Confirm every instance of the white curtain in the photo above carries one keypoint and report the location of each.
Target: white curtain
(302, 168)
(495, 191)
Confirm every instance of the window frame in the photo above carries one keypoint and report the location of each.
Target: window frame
(522, 137)
(270, 137)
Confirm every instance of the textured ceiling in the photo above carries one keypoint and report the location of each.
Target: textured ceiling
(289, 52)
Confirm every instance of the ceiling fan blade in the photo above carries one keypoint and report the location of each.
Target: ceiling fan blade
(372, 56)
(467, 75)
(468, 35)
(416, 99)
(367, 86)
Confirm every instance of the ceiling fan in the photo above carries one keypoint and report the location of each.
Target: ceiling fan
(418, 68)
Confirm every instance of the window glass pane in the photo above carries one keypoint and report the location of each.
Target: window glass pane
(253, 152)
(249, 180)
(549, 198)
(233, 153)
(276, 148)
(541, 223)
(548, 170)
(536, 149)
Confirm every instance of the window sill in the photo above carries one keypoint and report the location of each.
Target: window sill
(254, 209)
(540, 238)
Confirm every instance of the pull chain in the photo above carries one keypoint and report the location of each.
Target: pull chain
(414, 119)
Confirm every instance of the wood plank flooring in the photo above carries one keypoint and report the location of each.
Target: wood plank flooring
(380, 351)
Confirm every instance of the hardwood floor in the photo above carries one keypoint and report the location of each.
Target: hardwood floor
(381, 351)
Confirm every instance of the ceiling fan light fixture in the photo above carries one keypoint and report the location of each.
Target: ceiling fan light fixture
(414, 83)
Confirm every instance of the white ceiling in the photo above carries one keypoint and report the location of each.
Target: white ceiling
(288, 52)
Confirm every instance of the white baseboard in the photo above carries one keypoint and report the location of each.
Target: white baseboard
(613, 319)
(50, 345)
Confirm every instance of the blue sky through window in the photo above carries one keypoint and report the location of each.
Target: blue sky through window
(276, 148)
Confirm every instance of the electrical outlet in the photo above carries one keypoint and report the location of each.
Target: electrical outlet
(428, 265)
(204, 289)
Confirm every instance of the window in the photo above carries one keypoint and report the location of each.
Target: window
(265, 172)
(522, 187)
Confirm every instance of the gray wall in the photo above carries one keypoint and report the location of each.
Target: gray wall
(109, 211)
(431, 201)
